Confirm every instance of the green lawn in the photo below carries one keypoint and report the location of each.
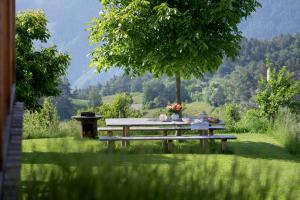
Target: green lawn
(80, 103)
(251, 152)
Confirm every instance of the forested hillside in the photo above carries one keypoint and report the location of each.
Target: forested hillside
(235, 82)
(68, 24)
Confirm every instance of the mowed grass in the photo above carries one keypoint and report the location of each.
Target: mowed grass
(137, 98)
(195, 108)
(80, 103)
(250, 151)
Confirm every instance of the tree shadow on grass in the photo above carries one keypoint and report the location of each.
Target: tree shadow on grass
(261, 150)
(152, 153)
(95, 158)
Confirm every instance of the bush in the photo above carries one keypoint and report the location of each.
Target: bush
(43, 123)
(34, 126)
(253, 121)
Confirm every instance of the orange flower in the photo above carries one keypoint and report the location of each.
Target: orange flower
(178, 107)
(175, 107)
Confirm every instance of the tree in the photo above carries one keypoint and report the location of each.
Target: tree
(94, 97)
(153, 89)
(38, 70)
(120, 107)
(214, 94)
(280, 91)
(185, 38)
(63, 103)
(49, 113)
(240, 85)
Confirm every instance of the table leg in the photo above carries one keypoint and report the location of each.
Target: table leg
(125, 134)
(111, 144)
(203, 142)
(165, 142)
(170, 146)
(211, 133)
(179, 133)
(223, 145)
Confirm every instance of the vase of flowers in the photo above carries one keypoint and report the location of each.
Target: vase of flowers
(174, 109)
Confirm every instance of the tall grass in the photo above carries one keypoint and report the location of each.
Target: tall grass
(195, 181)
(33, 129)
(286, 129)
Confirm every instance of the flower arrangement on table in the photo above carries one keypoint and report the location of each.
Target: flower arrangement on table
(174, 109)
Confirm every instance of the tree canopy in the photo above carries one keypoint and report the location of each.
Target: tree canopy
(168, 37)
(38, 70)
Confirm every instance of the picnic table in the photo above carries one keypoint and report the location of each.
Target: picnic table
(125, 125)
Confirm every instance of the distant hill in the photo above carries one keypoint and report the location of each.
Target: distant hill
(68, 22)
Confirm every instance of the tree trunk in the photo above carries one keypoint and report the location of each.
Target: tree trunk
(178, 97)
(178, 88)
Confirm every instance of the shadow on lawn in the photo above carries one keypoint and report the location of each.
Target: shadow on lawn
(261, 150)
(94, 158)
(152, 154)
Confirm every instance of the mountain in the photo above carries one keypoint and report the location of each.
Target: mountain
(274, 18)
(68, 23)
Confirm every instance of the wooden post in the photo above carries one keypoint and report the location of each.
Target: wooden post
(7, 69)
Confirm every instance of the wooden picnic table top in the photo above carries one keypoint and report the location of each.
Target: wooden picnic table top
(144, 122)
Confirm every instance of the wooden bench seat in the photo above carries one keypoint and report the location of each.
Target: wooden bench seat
(168, 139)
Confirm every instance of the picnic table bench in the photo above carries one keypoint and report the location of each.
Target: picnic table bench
(147, 124)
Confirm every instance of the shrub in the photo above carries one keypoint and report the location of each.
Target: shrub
(231, 116)
(34, 126)
(253, 121)
(43, 123)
